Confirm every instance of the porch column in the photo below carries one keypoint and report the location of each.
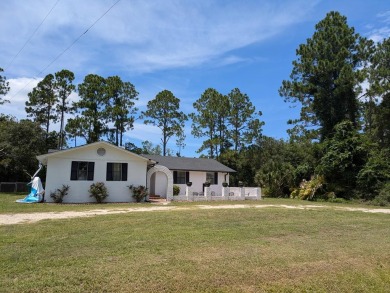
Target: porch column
(242, 193)
(225, 191)
(207, 193)
(189, 194)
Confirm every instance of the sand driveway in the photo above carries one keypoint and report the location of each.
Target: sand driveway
(20, 218)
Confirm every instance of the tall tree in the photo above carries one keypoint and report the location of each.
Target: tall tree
(63, 88)
(378, 106)
(42, 101)
(326, 76)
(163, 112)
(133, 148)
(75, 127)
(4, 88)
(380, 69)
(150, 149)
(344, 155)
(121, 96)
(20, 142)
(222, 114)
(180, 143)
(245, 127)
(383, 122)
(210, 121)
(274, 170)
(92, 107)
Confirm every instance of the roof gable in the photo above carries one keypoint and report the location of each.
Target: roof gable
(92, 146)
(190, 164)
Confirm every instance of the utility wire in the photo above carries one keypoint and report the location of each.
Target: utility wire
(67, 48)
(17, 54)
(76, 40)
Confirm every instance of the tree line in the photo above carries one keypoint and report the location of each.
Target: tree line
(106, 110)
(339, 146)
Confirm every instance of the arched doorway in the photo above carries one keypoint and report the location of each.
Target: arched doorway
(159, 177)
(158, 184)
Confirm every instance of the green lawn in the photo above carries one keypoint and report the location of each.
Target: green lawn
(224, 250)
(8, 204)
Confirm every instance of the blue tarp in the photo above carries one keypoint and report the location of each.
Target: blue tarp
(36, 194)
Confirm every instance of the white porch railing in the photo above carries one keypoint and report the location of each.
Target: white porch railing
(227, 193)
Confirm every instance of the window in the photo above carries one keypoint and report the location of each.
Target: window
(181, 177)
(116, 172)
(81, 170)
(212, 177)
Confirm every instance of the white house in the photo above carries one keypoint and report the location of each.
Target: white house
(184, 170)
(81, 166)
(118, 168)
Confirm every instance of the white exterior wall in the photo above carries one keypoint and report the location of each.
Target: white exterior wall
(59, 169)
(161, 183)
(198, 178)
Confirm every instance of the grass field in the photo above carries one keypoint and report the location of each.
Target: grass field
(223, 250)
(8, 204)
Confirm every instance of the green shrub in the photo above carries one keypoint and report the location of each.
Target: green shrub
(375, 173)
(176, 190)
(275, 178)
(138, 192)
(308, 189)
(338, 200)
(383, 199)
(99, 191)
(60, 193)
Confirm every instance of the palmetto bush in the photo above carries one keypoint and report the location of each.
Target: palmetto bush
(59, 194)
(99, 191)
(138, 192)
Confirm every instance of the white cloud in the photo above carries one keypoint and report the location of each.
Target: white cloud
(18, 96)
(377, 34)
(139, 36)
(385, 16)
(19, 88)
(145, 132)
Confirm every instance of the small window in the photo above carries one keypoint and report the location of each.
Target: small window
(101, 152)
(181, 177)
(116, 172)
(81, 170)
(212, 177)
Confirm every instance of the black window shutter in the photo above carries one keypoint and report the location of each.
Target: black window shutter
(109, 176)
(73, 170)
(124, 171)
(215, 177)
(187, 176)
(91, 169)
(175, 177)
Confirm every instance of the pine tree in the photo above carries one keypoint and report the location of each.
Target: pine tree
(163, 112)
(326, 76)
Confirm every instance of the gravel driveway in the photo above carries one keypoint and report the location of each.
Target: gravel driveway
(11, 219)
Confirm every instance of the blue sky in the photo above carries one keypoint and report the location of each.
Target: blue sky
(183, 46)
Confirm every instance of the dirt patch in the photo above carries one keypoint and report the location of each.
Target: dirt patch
(11, 219)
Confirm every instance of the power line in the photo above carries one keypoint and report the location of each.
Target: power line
(21, 49)
(70, 46)
(78, 38)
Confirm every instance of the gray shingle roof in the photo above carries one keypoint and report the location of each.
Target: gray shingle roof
(190, 164)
